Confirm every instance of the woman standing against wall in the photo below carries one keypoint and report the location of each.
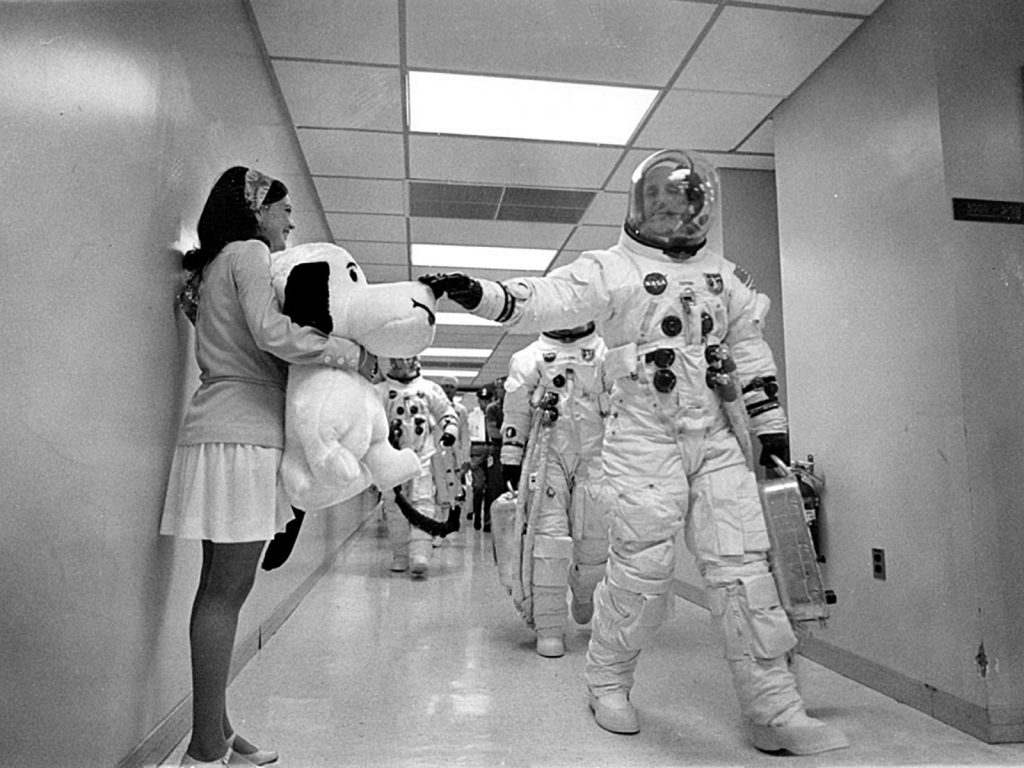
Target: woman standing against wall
(223, 481)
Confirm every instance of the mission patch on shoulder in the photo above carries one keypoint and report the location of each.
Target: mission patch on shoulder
(744, 277)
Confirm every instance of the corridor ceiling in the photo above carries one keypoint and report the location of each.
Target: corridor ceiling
(718, 69)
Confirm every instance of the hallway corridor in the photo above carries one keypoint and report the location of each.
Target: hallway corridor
(374, 669)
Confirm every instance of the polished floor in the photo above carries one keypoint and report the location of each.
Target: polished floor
(375, 669)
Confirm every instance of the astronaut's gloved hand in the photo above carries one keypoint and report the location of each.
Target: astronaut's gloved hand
(460, 288)
(774, 444)
(510, 474)
(395, 433)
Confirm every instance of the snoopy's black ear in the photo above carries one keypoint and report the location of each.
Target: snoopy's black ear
(305, 296)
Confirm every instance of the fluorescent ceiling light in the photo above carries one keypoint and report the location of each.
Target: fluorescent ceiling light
(472, 105)
(463, 318)
(455, 352)
(460, 373)
(480, 257)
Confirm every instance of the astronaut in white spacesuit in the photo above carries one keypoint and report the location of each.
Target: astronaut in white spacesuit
(421, 417)
(561, 372)
(668, 309)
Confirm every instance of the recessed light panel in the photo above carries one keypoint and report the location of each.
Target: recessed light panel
(461, 373)
(481, 257)
(463, 318)
(472, 105)
(455, 352)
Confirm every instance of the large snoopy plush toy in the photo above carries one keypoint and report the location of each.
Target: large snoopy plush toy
(336, 432)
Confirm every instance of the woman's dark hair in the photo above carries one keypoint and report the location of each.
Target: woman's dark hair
(227, 217)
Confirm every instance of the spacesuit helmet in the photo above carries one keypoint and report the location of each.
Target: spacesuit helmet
(568, 335)
(673, 198)
(404, 368)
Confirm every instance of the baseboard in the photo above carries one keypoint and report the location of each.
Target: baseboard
(162, 740)
(992, 727)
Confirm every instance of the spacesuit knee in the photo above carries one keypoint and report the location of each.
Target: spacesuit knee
(627, 620)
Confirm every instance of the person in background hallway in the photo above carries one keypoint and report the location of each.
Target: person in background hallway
(493, 418)
(421, 417)
(450, 386)
(222, 488)
(478, 453)
(560, 376)
(684, 333)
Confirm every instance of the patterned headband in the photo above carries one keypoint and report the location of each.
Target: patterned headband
(256, 187)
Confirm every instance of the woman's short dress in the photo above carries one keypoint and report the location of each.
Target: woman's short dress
(224, 492)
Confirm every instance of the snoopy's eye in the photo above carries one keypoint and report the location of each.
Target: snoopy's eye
(354, 275)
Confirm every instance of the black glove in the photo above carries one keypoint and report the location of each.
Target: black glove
(460, 288)
(510, 474)
(774, 444)
(395, 433)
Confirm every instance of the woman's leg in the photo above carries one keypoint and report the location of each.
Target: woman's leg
(226, 578)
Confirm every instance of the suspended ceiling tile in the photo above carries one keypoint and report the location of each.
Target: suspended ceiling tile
(361, 195)
(384, 273)
(565, 257)
(509, 234)
(608, 208)
(751, 50)
(480, 271)
(353, 153)
(265, 148)
(705, 121)
(593, 238)
(604, 41)
(346, 30)
(323, 95)
(762, 140)
(752, 161)
(364, 226)
(372, 252)
(863, 7)
(309, 228)
(507, 162)
(300, 190)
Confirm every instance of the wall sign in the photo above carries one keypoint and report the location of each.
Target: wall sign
(1000, 211)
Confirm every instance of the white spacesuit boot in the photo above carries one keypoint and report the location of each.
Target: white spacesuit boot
(746, 610)
(419, 554)
(551, 556)
(629, 607)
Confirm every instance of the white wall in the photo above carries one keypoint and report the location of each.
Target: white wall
(116, 119)
(903, 338)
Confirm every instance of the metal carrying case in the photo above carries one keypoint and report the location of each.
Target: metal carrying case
(793, 557)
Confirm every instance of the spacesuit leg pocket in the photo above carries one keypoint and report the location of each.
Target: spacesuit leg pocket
(770, 631)
(750, 618)
(725, 515)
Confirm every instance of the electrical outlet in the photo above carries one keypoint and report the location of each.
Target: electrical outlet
(878, 564)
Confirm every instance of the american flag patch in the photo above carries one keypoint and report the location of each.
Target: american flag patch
(744, 277)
